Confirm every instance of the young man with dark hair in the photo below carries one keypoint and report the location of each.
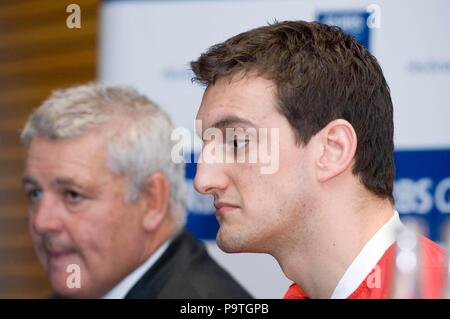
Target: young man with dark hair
(326, 214)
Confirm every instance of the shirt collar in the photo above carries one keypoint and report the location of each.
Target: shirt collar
(122, 288)
(368, 258)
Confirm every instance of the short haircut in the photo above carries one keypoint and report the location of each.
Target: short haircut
(321, 74)
(141, 146)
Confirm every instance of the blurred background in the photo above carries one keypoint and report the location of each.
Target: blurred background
(38, 53)
(148, 44)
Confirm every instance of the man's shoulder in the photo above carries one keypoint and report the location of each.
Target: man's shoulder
(433, 254)
(195, 274)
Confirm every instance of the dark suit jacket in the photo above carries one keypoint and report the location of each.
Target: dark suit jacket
(185, 270)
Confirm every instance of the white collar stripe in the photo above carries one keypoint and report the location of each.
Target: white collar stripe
(368, 258)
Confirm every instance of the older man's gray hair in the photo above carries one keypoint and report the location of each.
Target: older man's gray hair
(140, 145)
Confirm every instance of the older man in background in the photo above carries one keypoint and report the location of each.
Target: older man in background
(108, 203)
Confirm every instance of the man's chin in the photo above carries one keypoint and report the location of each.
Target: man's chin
(65, 292)
(228, 244)
(225, 248)
(238, 244)
(62, 291)
(65, 286)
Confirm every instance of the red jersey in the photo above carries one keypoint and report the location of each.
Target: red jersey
(433, 263)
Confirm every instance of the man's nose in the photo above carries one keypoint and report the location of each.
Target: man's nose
(46, 217)
(210, 177)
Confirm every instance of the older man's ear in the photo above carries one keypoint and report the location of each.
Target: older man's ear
(156, 199)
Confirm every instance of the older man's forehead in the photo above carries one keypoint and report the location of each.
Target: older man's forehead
(73, 158)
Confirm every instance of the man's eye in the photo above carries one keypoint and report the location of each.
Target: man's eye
(239, 143)
(34, 195)
(73, 196)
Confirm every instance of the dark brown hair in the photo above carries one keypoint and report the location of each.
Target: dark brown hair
(321, 74)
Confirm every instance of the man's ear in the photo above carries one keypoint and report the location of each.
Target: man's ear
(338, 143)
(156, 194)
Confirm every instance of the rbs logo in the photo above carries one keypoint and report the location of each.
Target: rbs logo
(419, 196)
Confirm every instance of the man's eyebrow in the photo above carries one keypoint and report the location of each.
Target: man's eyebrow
(63, 182)
(232, 121)
(29, 180)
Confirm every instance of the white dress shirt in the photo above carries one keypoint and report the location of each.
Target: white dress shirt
(125, 285)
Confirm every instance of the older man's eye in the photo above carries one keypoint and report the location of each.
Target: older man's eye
(73, 197)
(34, 195)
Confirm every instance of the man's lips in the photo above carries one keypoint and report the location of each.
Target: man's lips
(224, 207)
(58, 254)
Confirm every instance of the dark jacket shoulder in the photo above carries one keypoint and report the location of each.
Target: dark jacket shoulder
(186, 270)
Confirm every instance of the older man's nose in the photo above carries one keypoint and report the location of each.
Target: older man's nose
(46, 217)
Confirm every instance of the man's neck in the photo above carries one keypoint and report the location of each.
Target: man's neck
(335, 241)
